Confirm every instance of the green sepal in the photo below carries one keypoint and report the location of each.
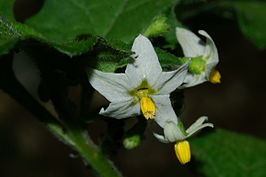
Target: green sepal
(197, 65)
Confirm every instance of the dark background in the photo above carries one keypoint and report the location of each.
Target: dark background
(28, 149)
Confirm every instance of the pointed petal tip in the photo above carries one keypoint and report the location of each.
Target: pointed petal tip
(160, 138)
(141, 37)
(205, 118)
(205, 34)
(202, 32)
(102, 111)
(210, 125)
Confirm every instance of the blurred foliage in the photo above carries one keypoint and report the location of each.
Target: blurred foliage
(225, 153)
(6, 8)
(170, 36)
(251, 19)
(250, 16)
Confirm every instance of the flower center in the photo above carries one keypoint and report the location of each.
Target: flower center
(142, 94)
(215, 77)
(182, 151)
(197, 65)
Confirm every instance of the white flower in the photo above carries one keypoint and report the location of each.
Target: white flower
(143, 86)
(204, 57)
(175, 133)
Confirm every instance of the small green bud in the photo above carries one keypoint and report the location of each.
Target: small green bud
(197, 65)
(130, 142)
(157, 27)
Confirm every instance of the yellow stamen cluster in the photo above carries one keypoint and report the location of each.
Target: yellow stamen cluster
(147, 107)
(182, 151)
(215, 77)
(146, 104)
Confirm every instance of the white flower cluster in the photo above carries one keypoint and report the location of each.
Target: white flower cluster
(145, 89)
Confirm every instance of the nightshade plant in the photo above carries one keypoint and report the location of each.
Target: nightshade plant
(127, 51)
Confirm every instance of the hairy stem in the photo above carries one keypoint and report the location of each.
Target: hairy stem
(81, 142)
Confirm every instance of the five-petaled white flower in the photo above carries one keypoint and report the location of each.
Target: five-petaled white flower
(144, 87)
(175, 132)
(204, 57)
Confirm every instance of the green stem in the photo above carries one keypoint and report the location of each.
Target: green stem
(82, 143)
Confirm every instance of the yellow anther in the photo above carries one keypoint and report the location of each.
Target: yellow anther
(215, 77)
(182, 151)
(147, 107)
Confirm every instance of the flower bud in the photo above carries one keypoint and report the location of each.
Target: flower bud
(130, 142)
(157, 27)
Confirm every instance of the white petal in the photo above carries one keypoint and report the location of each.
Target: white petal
(146, 65)
(113, 86)
(169, 81)
(191, 44)
(161, 138)
(122, 109)
(192, 80)
(211, 52)
(172, 132)
(198, 125)
(164, 110)
(210, 49)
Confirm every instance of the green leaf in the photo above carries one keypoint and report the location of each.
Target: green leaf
(167, 60)
(107, 65)
(107, 55)
(114, 57)
(12, 32)
(113, 19)
(224, 153)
